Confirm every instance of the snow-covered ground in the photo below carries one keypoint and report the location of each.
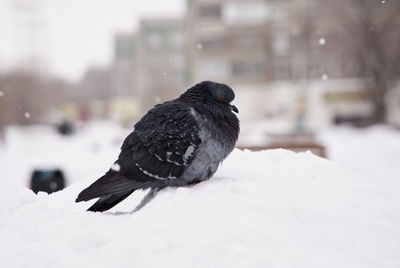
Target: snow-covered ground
(374, 151)
(261, 209)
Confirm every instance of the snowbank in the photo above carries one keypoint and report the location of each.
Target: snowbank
(373, 151)
(265, 209)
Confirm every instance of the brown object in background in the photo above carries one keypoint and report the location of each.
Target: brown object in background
(315, 148)
(296, 142)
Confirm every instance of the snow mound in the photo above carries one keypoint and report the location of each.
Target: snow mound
(262, 209)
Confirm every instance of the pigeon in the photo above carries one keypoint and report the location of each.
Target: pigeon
(177, 143)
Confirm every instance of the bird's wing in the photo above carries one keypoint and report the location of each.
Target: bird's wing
(163, 143)
(161, 147)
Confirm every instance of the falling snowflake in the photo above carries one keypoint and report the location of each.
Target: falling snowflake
(383, 1)
(157, 99)
(199, 46)
(324, 77)
(322, 41)
(1, 93)
(27, 115)
(164, 74)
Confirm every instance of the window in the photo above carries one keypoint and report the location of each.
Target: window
(210, 11)
(154, 40)
(177, 60)
(282, 71)
(314, 70)
(252, 12)
(280, 44)
(246, 42)
(213, 69)
(124, 47)
(246, 68)
(212, 44)
(176, 40)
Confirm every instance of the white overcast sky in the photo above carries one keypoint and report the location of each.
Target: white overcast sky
(71, 35)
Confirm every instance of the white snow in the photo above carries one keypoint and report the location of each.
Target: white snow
(261, 209)
(374, 152)
(322, 41)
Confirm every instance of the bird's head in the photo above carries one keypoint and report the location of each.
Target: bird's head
(211, 92)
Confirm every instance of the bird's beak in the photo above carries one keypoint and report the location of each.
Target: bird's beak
(233, 108)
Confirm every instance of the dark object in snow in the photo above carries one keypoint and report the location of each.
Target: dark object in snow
(356, 121)
(177, 143)
(48, 181)
(65, 128)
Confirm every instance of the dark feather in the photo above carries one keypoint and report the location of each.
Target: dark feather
(106, 202)
(111, 183)
(160, 140)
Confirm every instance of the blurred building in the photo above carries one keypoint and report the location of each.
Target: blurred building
(393, 106)
(257, 41)
(228, 41)
(125, 64)
(162, 60)
(151, 64)
(279, 56)
(253, 45)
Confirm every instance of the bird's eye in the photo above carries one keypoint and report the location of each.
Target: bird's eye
(222, 98)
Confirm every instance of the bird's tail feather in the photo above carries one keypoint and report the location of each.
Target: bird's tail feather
(110, 184)
(106, 202)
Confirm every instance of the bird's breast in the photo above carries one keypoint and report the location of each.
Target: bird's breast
(213, 149)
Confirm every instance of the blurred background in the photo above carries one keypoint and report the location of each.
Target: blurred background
(318, 75)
